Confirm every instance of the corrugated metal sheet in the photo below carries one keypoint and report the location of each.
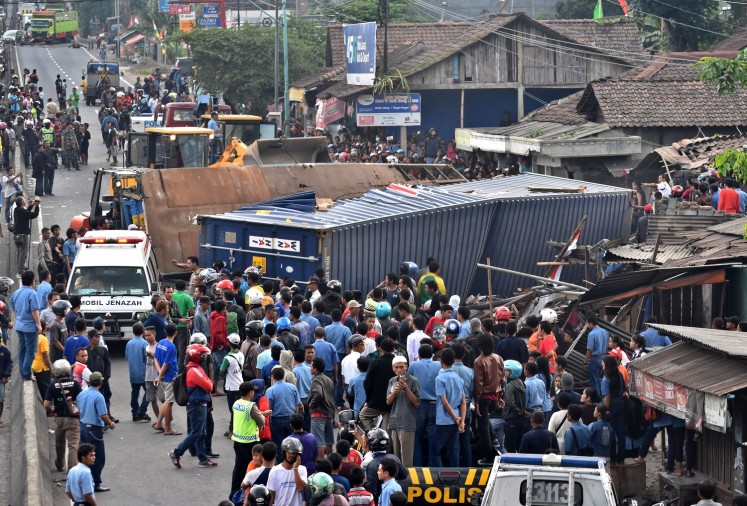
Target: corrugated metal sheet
(693, 367)
(361, 239)
(733, 344)
(643, 253)
(733, 227)
(671, 227)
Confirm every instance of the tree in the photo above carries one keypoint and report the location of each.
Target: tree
(90, 10)
(362, 11)
(724, 73)
(683, 22)
(239, 63)
(575, 9)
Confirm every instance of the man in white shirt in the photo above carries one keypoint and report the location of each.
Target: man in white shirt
(413, 340)
(349, 364)
(287, 480)
(662, 186)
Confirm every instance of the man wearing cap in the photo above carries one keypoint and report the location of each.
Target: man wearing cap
(641, 231)
(403, 396)
(351, 320)
(93, 419)
(312, 293)
(230, 369)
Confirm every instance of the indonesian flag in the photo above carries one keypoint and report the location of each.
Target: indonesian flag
(557, 269)
(624, 6)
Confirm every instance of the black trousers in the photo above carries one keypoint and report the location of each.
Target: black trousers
(242, 456)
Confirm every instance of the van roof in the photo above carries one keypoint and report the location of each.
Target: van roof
(111, 252)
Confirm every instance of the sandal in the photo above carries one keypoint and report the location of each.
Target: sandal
(158, 429)
(172, 433)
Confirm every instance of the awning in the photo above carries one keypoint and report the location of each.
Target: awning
(134, 40)
(689, 382)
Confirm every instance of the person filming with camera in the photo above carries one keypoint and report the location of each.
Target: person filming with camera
(22, 217)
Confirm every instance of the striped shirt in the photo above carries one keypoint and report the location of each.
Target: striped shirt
(359, 496)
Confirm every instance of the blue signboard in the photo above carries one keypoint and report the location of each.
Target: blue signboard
(360, 53)
(163, 5)
(209, 10)
(209, 22)
(394, 109)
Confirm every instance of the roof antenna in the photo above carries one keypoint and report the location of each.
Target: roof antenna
(738, 130)
(701, 133)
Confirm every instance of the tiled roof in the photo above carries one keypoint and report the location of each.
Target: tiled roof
(559, 111)
(627, 103)
(619, 37)
(328, 74)
(735, 42)
(679, 66)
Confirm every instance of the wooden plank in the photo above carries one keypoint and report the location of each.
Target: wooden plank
(699, 319)
(687, 306)
(676, 307)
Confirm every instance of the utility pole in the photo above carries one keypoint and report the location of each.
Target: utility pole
(384, 7)
(286, 101)
(277, 54)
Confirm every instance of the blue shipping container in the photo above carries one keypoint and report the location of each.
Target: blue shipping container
(358, 241)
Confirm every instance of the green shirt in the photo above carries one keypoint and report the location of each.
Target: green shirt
(183, 303)
(75, 99)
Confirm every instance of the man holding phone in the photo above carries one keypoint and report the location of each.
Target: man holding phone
(403, 395)
(22, 217)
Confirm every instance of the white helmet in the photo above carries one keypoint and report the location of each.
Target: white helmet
(254, 297)
(120, 94)
(549, 315)
(47, 122)
(198, 338)
(29, 123)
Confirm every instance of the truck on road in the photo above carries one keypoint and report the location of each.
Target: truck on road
(53, 25)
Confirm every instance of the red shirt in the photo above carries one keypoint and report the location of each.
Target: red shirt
(218, 331)
(728, 201)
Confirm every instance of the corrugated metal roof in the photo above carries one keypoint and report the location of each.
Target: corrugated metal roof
(643, 253)
(733, 227)
(671, 227)
(733, 344)
(398, 200)
(543, 130)
(689, 365)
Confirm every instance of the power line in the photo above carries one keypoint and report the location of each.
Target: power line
(614, 2)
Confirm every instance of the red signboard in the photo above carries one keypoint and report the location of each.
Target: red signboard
(660, 392)
(180, 9)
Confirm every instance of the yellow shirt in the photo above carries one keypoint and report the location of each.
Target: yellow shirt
(38, 364)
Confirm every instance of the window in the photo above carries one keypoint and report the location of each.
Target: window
(109, 281)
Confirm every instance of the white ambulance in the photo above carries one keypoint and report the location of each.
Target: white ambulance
(115, 274)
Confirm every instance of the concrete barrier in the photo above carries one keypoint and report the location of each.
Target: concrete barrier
(30, 451)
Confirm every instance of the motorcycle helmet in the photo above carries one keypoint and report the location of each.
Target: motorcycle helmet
(5, 284)
(283, 324)
(409, 269)
(61, 307)
(291, 444)
(334, 286)
(452, 327)
(549, 315)
(254, 297)
(198, 338)
(195, 352)
(254, 329)
(502, 314)
(383, 310)
(46, 122)
(2, 306)
(225, 284)
(378, 440)
(120, 94)
(255, 269)
(259, 495)
(514, 368)
(369, 306)
(321, 485)
(143, 102)
(61, 368)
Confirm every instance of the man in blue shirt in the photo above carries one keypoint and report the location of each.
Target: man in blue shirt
(468, 379)
(653, 338)
(535, 387)
(284, 401)
(306, 315)
(135, 355)
(215, 126)
(93, 419)
(577, 436)
(338, 335)
(77, 340)
(28, 326)
(70, 250)
(356, 387)
(451, 413)
(425, 370)
(326, 351)
(302, 372)
(157, 320)
(596, 347)
(167, 367)
(79, 484)
(44, 288)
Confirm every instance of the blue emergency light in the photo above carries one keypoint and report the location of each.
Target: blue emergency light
(552, 459)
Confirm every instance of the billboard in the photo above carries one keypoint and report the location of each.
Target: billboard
(360, 53)
(394, 109)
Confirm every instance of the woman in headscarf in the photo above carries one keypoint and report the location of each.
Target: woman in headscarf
(263, 404)
(286, 361)
(514, 397)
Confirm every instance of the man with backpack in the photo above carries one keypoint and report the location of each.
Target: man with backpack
(199, 387)
(577, 436)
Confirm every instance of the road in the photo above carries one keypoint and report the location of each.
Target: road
(138, 469)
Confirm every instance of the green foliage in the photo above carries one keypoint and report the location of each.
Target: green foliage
(88, 11)
(239, 63)
(649, 30)
(702, 15)
(388, 83)
(362, 11)
(733, 163)
(724, 73)
(584, 9)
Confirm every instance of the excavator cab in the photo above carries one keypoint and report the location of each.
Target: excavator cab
(117, 196)
(169, 147)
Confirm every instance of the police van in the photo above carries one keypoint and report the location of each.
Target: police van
(516, 479)
(115, 275)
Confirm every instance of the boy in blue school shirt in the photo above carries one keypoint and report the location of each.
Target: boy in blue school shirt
(451, 413)
(79, 484)
(578, 436)
(356, 389)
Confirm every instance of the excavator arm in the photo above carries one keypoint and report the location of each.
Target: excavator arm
(233, 155)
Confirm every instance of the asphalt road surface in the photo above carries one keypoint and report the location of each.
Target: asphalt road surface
(138, 469)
